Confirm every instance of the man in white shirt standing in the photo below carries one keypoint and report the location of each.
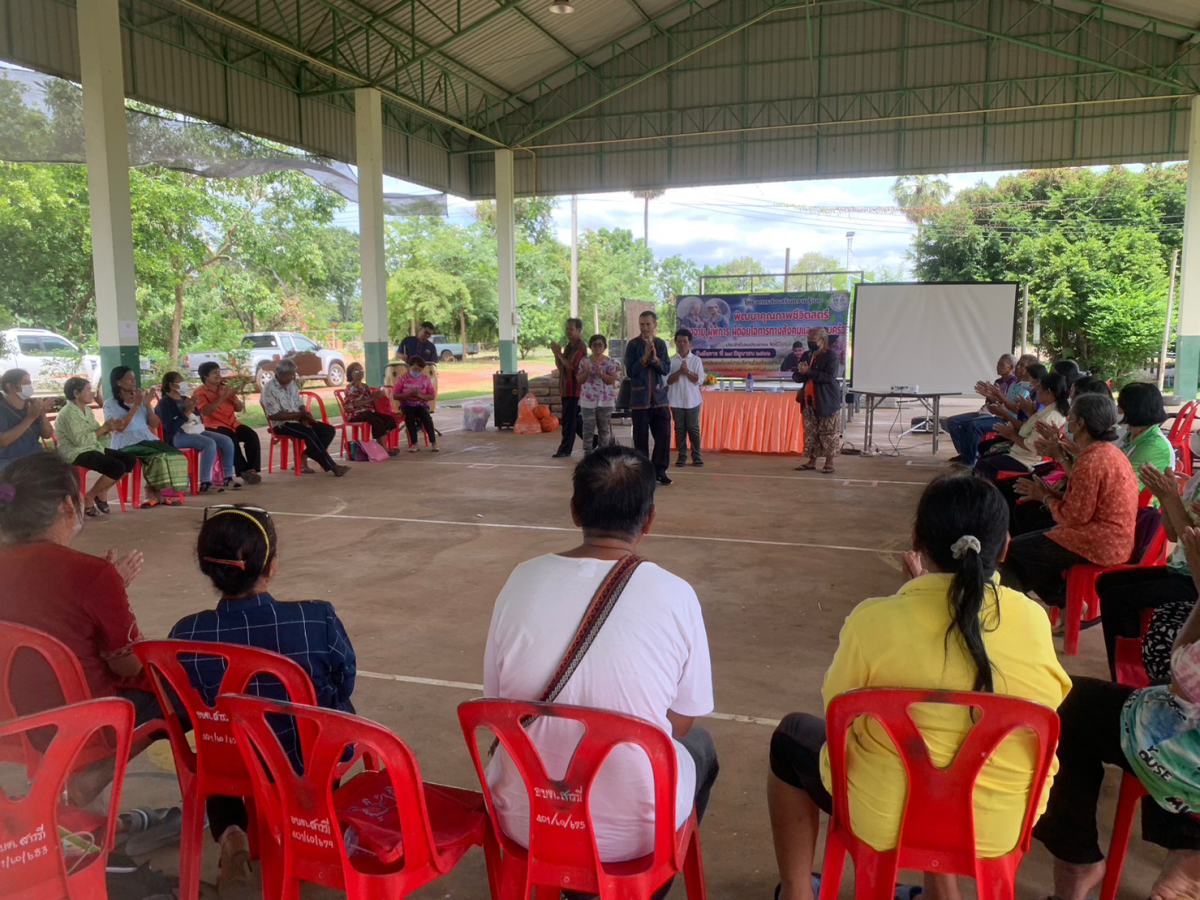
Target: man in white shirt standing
(683, 392)
(649, 659)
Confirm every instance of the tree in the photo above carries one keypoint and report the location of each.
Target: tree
(419, 294)
(1093, 248)
(646, 197)
(918, 196)
(810, 262)
(743, 267)
(613, 266)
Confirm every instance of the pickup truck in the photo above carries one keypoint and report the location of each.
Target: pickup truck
(263, 349)
(448, 351)
(50, 359)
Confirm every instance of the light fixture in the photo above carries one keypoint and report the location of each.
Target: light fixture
(562, 6)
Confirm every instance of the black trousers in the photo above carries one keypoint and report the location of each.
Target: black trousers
(1029, 517)
(1125, 595)
(380, 423)
(700, 747)
(111, 463)
(419, 416)
(247, 449)
(796, 756)
(1090, 740)
(572, 425)
(654, 422)
(1036, 563)
(317, 437)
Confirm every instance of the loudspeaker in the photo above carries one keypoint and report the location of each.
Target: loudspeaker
(507, 390)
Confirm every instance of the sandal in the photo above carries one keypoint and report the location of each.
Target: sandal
(828, 470)
(807, 467)
(172, 501)
(102, 505)
(151, 829)
(148, 504)
(91, 512)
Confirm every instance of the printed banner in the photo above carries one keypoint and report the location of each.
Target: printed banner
(739, 333)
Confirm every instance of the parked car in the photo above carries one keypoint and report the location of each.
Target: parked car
(50, 359)
(262, 349)
(448, 351)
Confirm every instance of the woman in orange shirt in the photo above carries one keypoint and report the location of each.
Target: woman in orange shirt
(218, 404)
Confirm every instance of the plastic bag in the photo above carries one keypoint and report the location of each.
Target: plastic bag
(527, 421)
(475, 416)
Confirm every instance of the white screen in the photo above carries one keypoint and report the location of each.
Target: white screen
(936, 338)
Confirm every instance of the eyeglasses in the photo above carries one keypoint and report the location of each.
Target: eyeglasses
(227, 507)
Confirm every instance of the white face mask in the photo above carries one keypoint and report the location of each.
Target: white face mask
(78, 521)
(27, 392)
(414, 372)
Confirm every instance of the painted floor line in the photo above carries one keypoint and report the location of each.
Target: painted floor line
(651, 536)
(686, 474)
(467, 686)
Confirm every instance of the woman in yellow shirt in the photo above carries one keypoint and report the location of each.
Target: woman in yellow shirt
(950, 627)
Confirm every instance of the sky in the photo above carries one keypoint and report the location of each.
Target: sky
(713, 225)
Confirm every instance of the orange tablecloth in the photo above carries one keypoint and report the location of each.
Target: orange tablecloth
(756, 422)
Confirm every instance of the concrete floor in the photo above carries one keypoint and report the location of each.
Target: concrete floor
(414, 551)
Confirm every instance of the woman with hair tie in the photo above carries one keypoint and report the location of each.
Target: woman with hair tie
(131, 410)
(951, 627)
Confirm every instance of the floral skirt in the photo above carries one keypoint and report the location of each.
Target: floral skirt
(821, 434)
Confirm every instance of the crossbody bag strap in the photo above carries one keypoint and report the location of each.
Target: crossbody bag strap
(594, 617)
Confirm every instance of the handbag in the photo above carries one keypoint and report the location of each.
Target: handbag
(368, 451)
(593, 620)
(193, 425)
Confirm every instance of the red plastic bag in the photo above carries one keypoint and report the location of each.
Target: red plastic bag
(527, 421)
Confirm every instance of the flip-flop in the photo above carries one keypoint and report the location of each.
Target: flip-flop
(148, 504)
(149, 829)
(807, 467)
(828, 470)
(172, 501)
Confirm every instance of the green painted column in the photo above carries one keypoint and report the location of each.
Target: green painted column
(107, 153)
(368, 119)
(508, 356)
(506, 260)
(377, 360)
(1187, 343)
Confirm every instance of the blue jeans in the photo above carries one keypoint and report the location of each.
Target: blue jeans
(208, 444)
(966, 431)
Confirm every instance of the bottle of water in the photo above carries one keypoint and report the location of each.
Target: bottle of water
(749, 381)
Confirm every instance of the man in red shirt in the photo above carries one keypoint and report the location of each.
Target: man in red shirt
(567, 360)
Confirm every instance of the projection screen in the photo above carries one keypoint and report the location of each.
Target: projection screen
(935, 338)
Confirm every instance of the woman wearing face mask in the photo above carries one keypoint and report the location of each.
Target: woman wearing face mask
(23, 422)
(822, 400)
(414, 390)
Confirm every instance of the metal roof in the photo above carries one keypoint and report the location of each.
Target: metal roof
(656, 93)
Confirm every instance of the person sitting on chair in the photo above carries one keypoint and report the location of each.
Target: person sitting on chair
(238, 551)
(1096, 516)
(1023, 457)
(23, 422)
(649, 659)
(134, 425)
(951, 627)
(287, 416)
(967, 429)
(218, 403)
(415, 391)
(83, 443)
(362, 405)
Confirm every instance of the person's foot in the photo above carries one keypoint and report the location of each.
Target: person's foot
(559, 455)
(413, 448)
(682, 461)
(306, 469)
(102, 505)
(91, 512)
(252, 478)
(339, 471)
(234, 483)
(235, 879)
(664, 479)
(698, 462)
(956, 458)
(1180, 877)
(1075, 881)
(436, 449)
(393, 451)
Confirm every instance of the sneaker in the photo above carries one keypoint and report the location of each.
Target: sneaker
(698, 462)
(665, 480)
(235, 878)
(434, 449)
(682, 461)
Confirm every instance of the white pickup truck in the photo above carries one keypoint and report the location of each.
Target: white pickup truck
(50, 359)
(261, 350)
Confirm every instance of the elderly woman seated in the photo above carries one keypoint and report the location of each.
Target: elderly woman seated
(23, 422)
(131, 412)
(1095, 517)
(1153, 733)
(1051, 395)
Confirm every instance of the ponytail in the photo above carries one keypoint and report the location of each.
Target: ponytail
(966, 603)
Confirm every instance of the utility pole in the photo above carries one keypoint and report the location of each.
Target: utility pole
(1166, 342)
(575, 257)
(787, 268)
(849, 250)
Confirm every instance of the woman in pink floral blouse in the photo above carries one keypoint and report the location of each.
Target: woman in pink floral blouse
(362, 404)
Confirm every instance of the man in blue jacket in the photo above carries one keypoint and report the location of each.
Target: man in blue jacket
(647, 365)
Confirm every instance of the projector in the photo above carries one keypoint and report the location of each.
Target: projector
(899, 388)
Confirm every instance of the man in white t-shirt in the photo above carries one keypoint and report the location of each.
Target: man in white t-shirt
(683, 392)
(649, 659)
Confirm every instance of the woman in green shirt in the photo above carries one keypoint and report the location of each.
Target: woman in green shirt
(83, 442)
(1143, 442)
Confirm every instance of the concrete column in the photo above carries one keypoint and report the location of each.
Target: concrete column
(102, 75)
(507, 260)
(1187, 344)
(368, 130)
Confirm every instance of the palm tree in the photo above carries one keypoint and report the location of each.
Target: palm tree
(918, 196)
(647, 196)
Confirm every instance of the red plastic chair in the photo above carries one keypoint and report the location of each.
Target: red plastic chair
(215, 766)
(561, 859)
(33, 645)
(1180, 436)
(937, 826)
(1127, 804)
(122, 488)
(1083, 603)
(305, 814)
(295, 445)
(357, 431)
(35, 867)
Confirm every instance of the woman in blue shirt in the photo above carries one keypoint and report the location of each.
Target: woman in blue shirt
(131, 410)
(23, 422)
(173, 411)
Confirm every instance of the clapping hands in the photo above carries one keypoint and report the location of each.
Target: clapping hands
(1161, 484)
(127, 566)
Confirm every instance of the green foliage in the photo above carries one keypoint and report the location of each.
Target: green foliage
(742, 266)
(1093, 247)
(417, 294)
